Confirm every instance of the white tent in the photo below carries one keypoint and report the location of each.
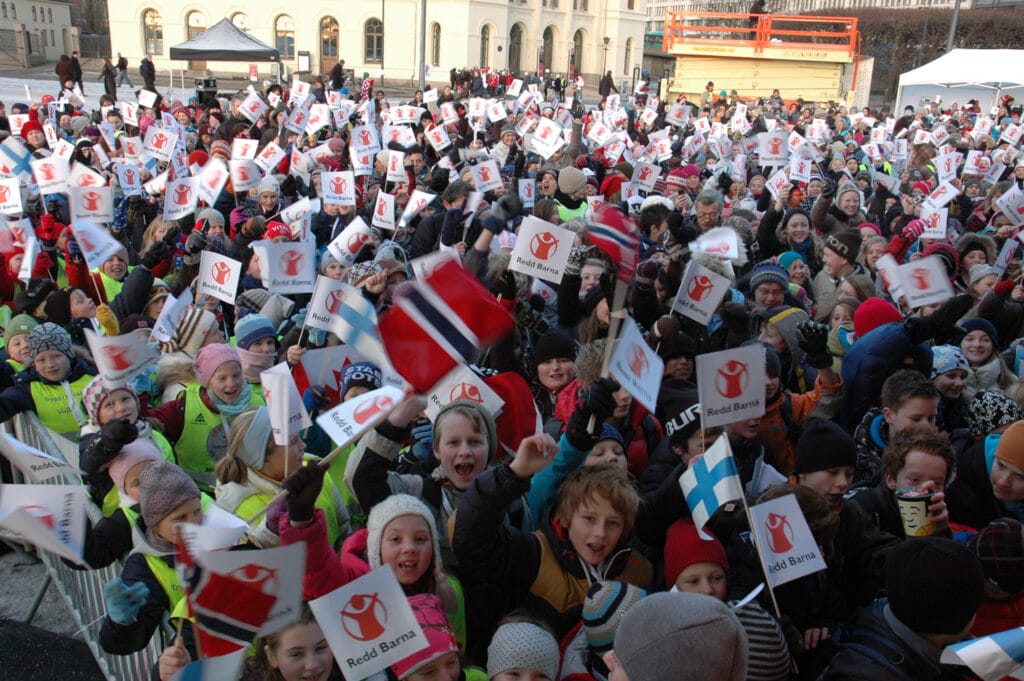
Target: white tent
(961, 75)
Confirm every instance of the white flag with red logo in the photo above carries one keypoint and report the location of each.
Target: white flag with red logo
(347, 421)
(396, 167)
(700, 293)
(935, 222)
(339, 188)
(636, 366)
(542, 249)
(181, 198)
(243, 149)
(95, 243)
(52, 517)
(270, 157)
(925, 282)
(82, 175)
(462, 383)
(384, 211)
(288, 415)
(346, 245)
(10, 196)
(486, 176)
(218, 276)
(786, 545)
(1012, 204)
(129, 176)
(365, 140)
(528, 192)
(772, 148)
(121, 358)
(170, 314)
(253, 107)
(244, 174)
(51, 174)
(438, 138)
(159, 143)
(730, 385)
(288, 267)
(36, 465)
(942, 196)
(212, 180)
(645, 175)
(416, 202)
(28, 260)
(326, 301)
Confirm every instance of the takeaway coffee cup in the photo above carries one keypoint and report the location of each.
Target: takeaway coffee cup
(913, 504)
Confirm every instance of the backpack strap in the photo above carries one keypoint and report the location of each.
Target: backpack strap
(876, 647)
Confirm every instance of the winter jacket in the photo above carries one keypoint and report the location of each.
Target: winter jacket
(538, 570)
(969, 496)
(20, 397)
(1004, 312)
(995, 616)
(329, 572)
(779, 425)
(826, 291)
(872, 437)
(828, 219)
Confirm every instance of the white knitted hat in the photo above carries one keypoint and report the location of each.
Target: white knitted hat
(522, 645)
(383, 513)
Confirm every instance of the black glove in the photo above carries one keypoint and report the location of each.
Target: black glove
(828, 188)
(504, 285)
(493, 223)
(116, 434)
(736, 318)
(195, 243)
(303, 487)
(506, 207)
(451, 227)
(814, 343)
(154, 254)
(598, 401)
(940, 323)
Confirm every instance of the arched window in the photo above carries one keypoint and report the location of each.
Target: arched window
(515, 48)
(435, 44)
(284, 36)
(577, 53)
(549, 47)
(629, 55)
(34, 13)
(152, 32)
(14, 11)
(373, 41)
(328, 37)
(485, 46)
(3, 8)
(241, 21)
(49, 14)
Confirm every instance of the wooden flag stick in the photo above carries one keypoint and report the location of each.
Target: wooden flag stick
(614, 324)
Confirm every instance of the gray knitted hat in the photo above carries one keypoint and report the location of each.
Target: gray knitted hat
(522, 645)
(49, 336)
(163, 487)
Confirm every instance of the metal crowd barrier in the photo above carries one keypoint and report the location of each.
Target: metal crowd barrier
(82, 589)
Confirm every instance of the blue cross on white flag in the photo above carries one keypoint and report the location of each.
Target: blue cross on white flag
(991, 657)
(710, 482)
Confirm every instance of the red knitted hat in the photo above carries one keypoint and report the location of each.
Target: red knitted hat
(684, 547)
(872, 313)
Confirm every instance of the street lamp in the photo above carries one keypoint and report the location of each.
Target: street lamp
(604, 68)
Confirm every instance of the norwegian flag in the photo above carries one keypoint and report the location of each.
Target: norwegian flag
(227, 611)
(616, 236)
(440, 322)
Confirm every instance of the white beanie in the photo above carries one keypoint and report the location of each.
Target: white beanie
(392, 507)
(523, 645)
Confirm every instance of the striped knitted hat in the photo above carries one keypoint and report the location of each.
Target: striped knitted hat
(603, 610)
(193, 327)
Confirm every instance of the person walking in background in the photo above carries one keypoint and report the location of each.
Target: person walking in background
(148, 73)
(607, 85)
(76, 72)
(63, 70)
(122, 70)
(109, 77)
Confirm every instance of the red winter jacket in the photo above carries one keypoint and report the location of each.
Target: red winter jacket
(324, 571)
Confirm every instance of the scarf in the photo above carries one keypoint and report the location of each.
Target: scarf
(254, 362)
(232, 410)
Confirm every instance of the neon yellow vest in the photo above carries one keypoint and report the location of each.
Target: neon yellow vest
(111, 286)
(566, 214)
(204, 437)
(166, 575)
(16, 365)
(53, 408)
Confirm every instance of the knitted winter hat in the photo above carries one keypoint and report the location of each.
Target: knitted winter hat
(922, 186)
(609, 432)
(360, 375)
(873, 313)
(193, 327)
(134, 322)
(252, 328)
(676, 180)
(32, 294)
(326, 260)
(948, 254)
(603, 609)
(212, 356)
(94, 394)
(844, 243)
(20, 325)
(571, 180)
(554, 345)
(592, 298)
(163, 487)
(824, 445)
(977, 273)
(490, 429)
(980, 324)
(49, 336)
(523, 645)
(1000, 548)
(787, 259)
(252, 299)
(685, 547)
(934, 585)
(1011, 445)
(769, 272)
(268, 185)
(276, 229)
(653, 632)
(786, 319)
(57, 307)
(990, 409)
(132, 454)
(209, 216)
(430, 615)
(947, 358)
(392, 507)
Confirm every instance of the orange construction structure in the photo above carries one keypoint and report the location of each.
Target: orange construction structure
(814, 58)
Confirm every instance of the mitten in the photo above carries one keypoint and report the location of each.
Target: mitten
(114, 435)
(303, 487)
(597, 401)
(124, 602)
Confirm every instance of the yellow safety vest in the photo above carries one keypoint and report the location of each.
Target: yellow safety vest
(54, 409)
(111, 286)
(204, 437)
(565, 214)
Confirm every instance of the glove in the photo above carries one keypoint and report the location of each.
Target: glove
(505, 285)
(195, 243)
(274, 513)
(114, 435)
(423, 441)
(814, 342)
(303, 487)
(581, 162)
(74, 252)
(736, 318)
(494, 224)
(1004, 288)
(940, 322)
(506, 207)
(598, 401)
(154, 255)
(577, 256)
(314, 399)
(828, 188)
(124, 602)
(914, 229)
(451, 226)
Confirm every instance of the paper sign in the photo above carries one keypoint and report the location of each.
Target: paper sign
(416, 203)
(646, 175)
(542, 249)
(772, 148)
(220, 530)
(1012, 204)
(941, 197)
(461, 383)
(269, 157)
(96, 244)
(10, 196)
(350, 419)
(1006, 254)
(51, 174)
(925, 282)
(700, 293)
(636, 366)
(486, 176)
(119, 359)
(346, 245)
(720, 242)
(288, 267)
(438, 138)
(888, 269)
(528, 192)
(787, 547)
(34, 464)
(50, 516)
(339, 188)
(181, 199)
(170, 314)
(284, 403)
(244, 175)
(159, 143)
(243, 148)
(730, 385)
(935, 222)
(218, 276)
(326, 301)
(384, 211)
(396, 167)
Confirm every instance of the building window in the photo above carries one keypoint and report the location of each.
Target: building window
(485, 46)
(435, 44)
(241, 21)
(629, 55)
(44, 38)
(373, 34)
(515, 48)
(284, 36)
(49, 14)
(34, 14)
(630, 4)
(152, 32)
(52, 40)
(3, 8)
(328, 37)
(14, 11)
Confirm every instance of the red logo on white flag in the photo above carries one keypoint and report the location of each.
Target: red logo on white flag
(731, 379)
(543, 245)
